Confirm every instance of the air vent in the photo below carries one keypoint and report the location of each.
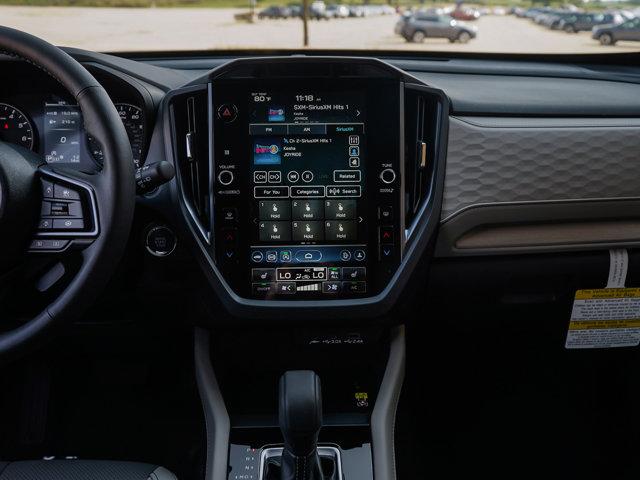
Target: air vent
(191, 138)
(422, 113)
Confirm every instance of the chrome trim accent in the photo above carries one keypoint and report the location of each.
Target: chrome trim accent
(536, 202)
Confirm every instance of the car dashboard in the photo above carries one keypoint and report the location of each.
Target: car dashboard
(310, 185)
(344, 215)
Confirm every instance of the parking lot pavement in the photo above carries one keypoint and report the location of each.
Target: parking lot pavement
(116, 29)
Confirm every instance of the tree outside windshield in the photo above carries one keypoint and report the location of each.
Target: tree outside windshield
(172, 25)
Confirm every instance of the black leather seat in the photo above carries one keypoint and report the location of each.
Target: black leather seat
(82, 470)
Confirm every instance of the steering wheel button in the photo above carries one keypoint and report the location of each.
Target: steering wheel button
(45, 224)
(68, 224)
(74, 209)
(48, 244)
(47, 189)
(45, 208)
(65, 193)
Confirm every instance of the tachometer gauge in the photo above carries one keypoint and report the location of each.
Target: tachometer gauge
(15, 127)
(133, 119)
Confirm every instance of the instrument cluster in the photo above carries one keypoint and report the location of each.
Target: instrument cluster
(39, 115)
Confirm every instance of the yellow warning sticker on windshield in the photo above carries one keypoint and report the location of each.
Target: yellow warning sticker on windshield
(605, 318)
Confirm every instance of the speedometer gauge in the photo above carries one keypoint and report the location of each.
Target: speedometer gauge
(14, 127)
(133, 119)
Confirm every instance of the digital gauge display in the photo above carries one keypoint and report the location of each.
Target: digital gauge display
(63, 132)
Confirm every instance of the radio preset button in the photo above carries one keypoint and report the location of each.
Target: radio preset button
(336, 230)
(306, 209)
(274, 231)
(340, 209)
(307, 231)
(274, 210)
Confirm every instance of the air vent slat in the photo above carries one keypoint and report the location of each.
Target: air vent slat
(420, 131)
(189, 111)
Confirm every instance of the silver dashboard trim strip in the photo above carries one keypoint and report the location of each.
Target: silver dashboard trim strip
(383, 417)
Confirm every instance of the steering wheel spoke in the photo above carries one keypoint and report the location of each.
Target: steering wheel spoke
(69, 210)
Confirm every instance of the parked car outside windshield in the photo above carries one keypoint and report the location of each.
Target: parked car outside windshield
(490, 26)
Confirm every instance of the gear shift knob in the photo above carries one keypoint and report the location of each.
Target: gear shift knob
(300, 411)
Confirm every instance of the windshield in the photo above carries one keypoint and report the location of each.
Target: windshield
(179, 25)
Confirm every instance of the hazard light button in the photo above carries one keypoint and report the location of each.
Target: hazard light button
(227, 112)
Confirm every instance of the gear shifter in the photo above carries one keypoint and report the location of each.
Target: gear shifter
(300, 422)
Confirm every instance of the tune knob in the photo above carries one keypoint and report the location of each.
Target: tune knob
(388, 175)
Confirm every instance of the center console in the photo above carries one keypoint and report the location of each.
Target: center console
(307, 186)
(308, 183)
(310, 189)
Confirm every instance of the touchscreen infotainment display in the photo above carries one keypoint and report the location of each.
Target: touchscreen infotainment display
(308, 163)
(306, 193)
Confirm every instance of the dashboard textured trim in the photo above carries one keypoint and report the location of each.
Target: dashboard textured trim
(493, 161)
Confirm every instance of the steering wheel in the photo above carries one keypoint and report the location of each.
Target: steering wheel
(105, 198)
